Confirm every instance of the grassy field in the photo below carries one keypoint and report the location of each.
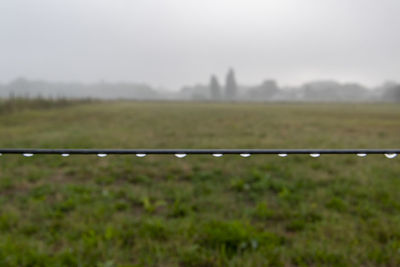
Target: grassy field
(200, 210)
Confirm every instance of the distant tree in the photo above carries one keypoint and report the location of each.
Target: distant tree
(20, 87)
(195, 92)
(231, 87)
(265, 91)
(215, 88)
(392, 93)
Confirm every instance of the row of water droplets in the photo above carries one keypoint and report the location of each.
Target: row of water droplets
(217, 155)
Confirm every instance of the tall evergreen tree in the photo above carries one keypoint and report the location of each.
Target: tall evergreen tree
(231, 85)
(215, 88)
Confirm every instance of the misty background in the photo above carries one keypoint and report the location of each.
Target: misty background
(252, 50)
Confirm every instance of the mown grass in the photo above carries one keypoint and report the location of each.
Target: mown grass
(200, 210)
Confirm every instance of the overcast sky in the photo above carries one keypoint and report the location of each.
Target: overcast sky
(175, 42)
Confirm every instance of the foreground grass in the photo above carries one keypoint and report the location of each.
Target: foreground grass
(200, 210)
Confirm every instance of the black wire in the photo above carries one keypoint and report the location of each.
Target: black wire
(196, 151)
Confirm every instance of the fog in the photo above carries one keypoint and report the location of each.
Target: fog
(173, 44)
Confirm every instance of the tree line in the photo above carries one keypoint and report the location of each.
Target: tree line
(267, 91)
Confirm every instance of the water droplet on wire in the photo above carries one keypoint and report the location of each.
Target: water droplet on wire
(180, 155)
(102, 155)
(140, 155)
(362, 155)
(217, 155)
(282, 155)
(27, 154)
(315, 155)
(65, 155)
(390, 155)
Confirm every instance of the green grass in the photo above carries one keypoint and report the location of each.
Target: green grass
(200, 210)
